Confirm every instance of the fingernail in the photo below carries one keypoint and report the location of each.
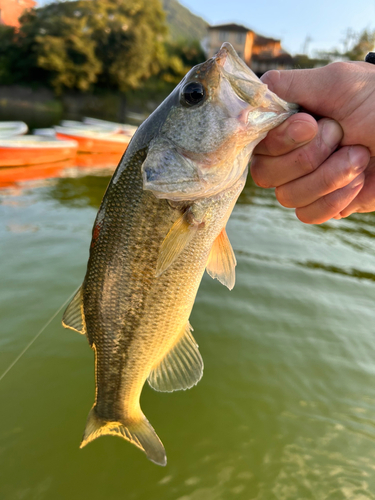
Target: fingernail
(271, 77)
(331, 133)
(357, 159)
(301, 131)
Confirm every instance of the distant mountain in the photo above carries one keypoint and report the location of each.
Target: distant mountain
(183, 23)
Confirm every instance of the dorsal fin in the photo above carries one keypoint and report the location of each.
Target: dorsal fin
(222, 261)
(181, 367)
(178, 237)
(73, 315)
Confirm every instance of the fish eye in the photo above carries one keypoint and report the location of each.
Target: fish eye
(193, 93)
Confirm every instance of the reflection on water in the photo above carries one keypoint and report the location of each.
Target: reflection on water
(286, 407)
(79, 191)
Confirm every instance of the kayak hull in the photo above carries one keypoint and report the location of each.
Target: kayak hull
(29, 151)
(91, 144)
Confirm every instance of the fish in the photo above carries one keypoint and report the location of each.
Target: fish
(161, 223)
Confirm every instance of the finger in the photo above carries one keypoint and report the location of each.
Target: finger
(269, 171)
(293, 133)
(317, 89)
(335, 173)
(330, 205)
(365, 201)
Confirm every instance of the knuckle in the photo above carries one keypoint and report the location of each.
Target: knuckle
(329, 182)
(305, 161)
(339, 67)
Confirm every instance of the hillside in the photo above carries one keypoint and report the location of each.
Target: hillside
(183, 23)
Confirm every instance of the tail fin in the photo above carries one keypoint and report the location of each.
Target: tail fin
(139, 432)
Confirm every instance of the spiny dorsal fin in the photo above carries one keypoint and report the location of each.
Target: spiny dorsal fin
(178, 237)
(181, 367)
(73, 315)
(222, 261)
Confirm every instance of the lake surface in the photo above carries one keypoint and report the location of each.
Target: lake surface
(286, 406)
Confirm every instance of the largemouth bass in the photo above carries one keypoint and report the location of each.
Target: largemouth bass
(160, 225)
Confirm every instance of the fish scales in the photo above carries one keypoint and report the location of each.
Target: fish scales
(161, 223)
(141, 326)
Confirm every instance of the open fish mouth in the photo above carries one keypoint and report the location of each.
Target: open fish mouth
(247, 85)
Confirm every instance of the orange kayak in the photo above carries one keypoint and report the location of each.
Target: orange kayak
(94, 142)
(34, 150)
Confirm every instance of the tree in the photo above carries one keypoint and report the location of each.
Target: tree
(364, 42)
(7, 53)
(110, 43)
(182, 56)
(129, 38)
(355, 46)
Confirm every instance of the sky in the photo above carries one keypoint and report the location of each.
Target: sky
(326, 22)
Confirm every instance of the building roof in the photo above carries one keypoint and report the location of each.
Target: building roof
(263, 40)
(239, 28)
(230, 27)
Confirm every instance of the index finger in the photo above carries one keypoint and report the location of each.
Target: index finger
(297, 130)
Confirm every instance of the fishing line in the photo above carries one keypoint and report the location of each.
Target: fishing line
(37, 335)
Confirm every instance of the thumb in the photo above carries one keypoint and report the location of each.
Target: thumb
(310, 88)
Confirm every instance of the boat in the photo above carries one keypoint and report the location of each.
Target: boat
(91, 141)
(125, 128)
(104, 128)
(10, 129)
(48, 132)
(35, 150)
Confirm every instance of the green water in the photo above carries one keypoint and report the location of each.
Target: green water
(286, 407)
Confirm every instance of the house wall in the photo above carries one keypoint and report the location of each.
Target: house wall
(218, 37)
(271, 48)
(249, 47)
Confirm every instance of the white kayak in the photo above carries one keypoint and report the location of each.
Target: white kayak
(110, 128)
(10, 129)
(125, 127)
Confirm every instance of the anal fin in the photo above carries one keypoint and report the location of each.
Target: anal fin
(222, 261)
(73, 315)
(181, 367)
(177, 239)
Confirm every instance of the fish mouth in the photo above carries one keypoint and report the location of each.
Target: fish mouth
(250, 89)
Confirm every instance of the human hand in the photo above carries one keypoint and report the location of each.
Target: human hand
(300, 157)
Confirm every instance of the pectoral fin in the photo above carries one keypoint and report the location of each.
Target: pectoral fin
(181, 367)
(73, 315)
(177, 239)
(222, 261)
